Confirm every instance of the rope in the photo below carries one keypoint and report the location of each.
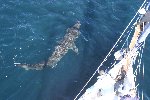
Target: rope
(108, 53)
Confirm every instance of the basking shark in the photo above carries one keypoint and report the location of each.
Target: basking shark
(68, 42)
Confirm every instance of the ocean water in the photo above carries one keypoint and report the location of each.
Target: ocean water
(30, 30)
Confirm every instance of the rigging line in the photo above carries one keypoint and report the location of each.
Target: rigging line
(109, 52)
(113, 64)
(142, 71)
(127, 39)
(147, 5)
(143, 62)
(129, 33)
(138, 61)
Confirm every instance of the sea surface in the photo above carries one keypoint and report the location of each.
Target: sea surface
(30, 30)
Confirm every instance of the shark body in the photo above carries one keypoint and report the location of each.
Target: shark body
(68, 42)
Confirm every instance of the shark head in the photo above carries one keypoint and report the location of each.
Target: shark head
(77, 25)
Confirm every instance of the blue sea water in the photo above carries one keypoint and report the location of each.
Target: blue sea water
(30, 29)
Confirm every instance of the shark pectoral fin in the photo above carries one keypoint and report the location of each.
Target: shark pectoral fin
(74, 48)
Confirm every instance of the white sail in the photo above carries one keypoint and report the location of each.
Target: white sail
(119, 83)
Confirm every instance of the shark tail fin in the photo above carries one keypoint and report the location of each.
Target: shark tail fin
(38, 66)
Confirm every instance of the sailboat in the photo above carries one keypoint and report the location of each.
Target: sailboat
(119, 81)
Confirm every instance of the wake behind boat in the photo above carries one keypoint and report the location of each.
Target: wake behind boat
(119, 83)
